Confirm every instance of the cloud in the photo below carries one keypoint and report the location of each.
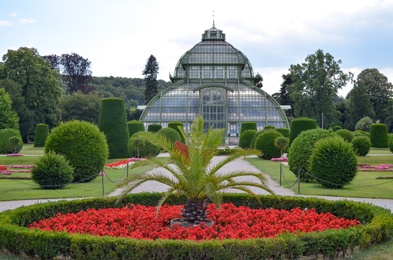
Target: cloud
(13, 14)
(28, 20)
(5, 23)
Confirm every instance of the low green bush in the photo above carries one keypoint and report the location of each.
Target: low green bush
(135, 126)
(265, 144)
(5, 145)
(299, 125)
(177, 126)
(283, 131)
(142, 149)
(41, 133)
(170, 133)
(379, 135)
(52, 172)
(333, 162)
(345, 134)
(336, 127)
(15, 236)
(361, 145)
(244, 126)
(154, 128)
(361, 133)
(245, 139)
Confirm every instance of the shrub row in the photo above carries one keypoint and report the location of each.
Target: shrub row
(377, 226)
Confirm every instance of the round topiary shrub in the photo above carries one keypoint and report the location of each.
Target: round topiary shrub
(361, 133)
(6, 146)
(379, 135)
(299, 125)
(333, 162)
(283, 131)
(113, 124)
(248, 126)
(265, 144)
(177, 126)
(281, 143)
(41, 133)
(361, 145)
(142, 149)
(269, 127)
(336, 127)
(154, 128)
(245, 138)
(300, 151)
(135, 126)
(171, 134)
(83, 145)
(345, 134)
(52, 172)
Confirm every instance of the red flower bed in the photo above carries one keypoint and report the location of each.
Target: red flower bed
(231, 222)
(122, 163)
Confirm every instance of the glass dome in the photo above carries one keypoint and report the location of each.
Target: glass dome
(215, 80)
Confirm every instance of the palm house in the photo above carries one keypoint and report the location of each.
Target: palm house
(215, 80)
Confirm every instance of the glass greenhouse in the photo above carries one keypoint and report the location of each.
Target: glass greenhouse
(215, 80)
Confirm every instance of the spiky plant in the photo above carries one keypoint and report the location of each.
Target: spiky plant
(191, 172)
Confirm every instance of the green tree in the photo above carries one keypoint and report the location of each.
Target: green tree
(76, 73)
(378, 88)
(314, 86)
(40, 85)
(359, 106)
(189, 174)
(85, 107)
(283, 97)
(150, 72)
(8, 117)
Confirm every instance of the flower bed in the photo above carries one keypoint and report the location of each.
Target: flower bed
(231, 222)
(280, 159)
(7, 170)
(378, 168)
(16, 236)
(15, 154)
(121, 163)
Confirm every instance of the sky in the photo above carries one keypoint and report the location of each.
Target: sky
(118, 36)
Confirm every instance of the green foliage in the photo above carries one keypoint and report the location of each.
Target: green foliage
(135, 126)
(361, 133)
(333, 162)
(171, 134)
(336, 127)
(364, 124)
(140, 148)
(391, 143)
(16, 237)
(379, 135)
(113, 124)
(248, 126)
(78, 106)
(178, 126)
(246, 137)
(83, 145)
(154, 128)
(265, 144)
(5, 145)
(281, 143)
(359, 107)
(269, 127)
(150, 72)
(52, 172)
(8, 117)
(345, 134)
(283, 131)
(300, 151)
(300, 124)
(41, 133)
(361, 145)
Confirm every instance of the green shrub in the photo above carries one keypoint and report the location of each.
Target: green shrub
(135, 126)
(281, 143)
(153, 128)
(52, 172)
(336, 127)
(245, 139)
(83, 145)
(379, 135)
(177, 126)
(361, 145)
(364, 124)
(389, 123)
(141, 149)
(300, 151)
(265, 144)
(170, 133)
(283, 131)
(113, 125)
(361, 133)
(41, 133)
(5, 145)
(345, 134)
(247, 126)
(333, 162)
(391, 143)
(299, 125)
(269, 127)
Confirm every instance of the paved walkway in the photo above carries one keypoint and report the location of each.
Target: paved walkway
(238, 164)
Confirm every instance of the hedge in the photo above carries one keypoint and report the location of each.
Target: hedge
(5, 145)
(247, 126)
(41, 133)
(376, 227)
(299, 125)
(177, 126)
(135, 126)
(154, 128)
(379, 135)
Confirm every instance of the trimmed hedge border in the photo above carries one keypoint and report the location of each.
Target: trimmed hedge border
(15, 236)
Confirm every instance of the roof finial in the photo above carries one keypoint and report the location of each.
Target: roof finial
(214, 26)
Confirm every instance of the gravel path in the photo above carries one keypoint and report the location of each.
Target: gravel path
(238, 164)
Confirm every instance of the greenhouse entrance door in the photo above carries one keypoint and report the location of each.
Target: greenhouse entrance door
(213, 107)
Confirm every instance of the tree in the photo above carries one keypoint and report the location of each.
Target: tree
(191, 173)
(53, 60)
(283, 97)
(76, 73)
(314, 86)
(378, 88)
(80, 106)
(258, 80)
(150, 72)
(359, 106)
(8, 117)
(39, 86)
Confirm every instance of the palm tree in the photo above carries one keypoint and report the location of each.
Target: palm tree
(191, 171)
